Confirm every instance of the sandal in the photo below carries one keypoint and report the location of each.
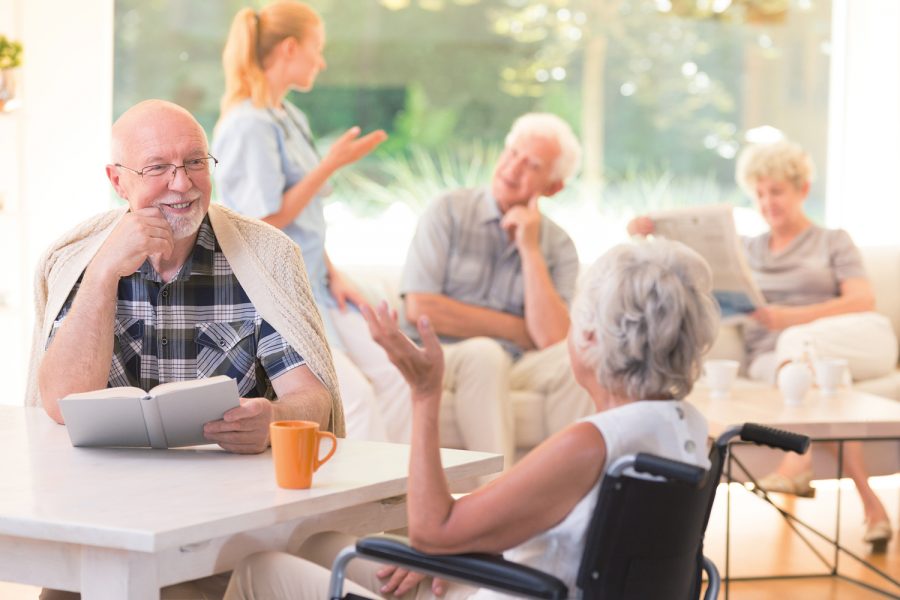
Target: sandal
(878, 534)
(798, 486)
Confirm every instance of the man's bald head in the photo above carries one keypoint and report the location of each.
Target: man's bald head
(127, 130)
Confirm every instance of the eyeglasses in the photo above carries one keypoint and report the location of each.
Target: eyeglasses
(194, 165)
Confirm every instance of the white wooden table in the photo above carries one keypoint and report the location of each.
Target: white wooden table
(121, 523)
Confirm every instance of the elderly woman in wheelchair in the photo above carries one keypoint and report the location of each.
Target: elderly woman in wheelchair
(640, 325)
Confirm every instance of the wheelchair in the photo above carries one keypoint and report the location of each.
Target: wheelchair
(644, 541)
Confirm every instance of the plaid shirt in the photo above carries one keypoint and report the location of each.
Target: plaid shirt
(198, 325)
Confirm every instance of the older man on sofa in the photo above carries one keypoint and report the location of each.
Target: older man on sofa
(495, 277)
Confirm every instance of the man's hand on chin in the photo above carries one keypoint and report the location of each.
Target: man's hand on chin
(522, 224)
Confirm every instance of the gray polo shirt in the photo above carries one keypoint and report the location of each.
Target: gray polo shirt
(809, 270)
(460, 251)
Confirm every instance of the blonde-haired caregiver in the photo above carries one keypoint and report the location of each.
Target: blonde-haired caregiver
(819, 301)
(269, 169)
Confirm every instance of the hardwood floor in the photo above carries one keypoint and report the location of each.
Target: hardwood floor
(762, 544)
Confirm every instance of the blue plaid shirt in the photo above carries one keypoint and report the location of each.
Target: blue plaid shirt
(198, 325)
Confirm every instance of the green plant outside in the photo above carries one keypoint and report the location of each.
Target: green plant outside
(674, 93)
(10, 53)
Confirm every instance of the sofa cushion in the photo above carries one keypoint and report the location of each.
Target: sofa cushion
(883, 268)
(729, 344)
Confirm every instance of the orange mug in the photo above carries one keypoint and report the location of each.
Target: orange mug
(295, 450)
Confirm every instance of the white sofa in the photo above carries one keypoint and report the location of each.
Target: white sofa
(883, 265)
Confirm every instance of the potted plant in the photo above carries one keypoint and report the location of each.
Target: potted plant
(10, 59)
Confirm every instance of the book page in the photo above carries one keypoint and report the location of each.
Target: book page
(116, 392)
(187, 384)
(710, 231)
(185, 406)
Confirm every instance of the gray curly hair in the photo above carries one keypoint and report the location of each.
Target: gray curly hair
(781, 161)
(644, 318)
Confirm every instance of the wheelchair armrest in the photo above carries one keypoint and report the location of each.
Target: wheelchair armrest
(668, 468)
(481, 570)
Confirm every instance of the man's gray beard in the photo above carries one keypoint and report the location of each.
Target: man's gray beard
(185, 226)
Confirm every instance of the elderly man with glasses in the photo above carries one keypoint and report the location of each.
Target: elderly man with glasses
(173, 288)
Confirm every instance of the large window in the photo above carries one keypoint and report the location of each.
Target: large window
(663, 94)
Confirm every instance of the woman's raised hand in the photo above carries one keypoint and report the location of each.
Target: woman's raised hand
(423, 368)
(350, 147)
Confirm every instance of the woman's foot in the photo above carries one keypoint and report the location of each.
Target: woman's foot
(798, 485)
(878, 533)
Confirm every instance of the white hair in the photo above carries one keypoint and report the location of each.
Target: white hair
(781, 161)
(644, 318)
(550, 127)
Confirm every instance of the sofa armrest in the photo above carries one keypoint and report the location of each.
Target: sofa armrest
(377, 283)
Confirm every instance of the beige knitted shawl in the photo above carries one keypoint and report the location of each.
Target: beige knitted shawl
(266, 262)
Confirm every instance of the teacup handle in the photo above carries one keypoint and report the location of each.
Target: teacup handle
(325, 434)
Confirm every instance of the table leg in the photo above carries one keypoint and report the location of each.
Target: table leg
(728, 523)
(118, 575)
(837, 518)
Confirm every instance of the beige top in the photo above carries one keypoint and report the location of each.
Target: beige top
(267, 263)
(808, 271)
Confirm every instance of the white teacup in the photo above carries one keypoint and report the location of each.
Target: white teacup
(720, 376)
(794, 380)
(830, 373)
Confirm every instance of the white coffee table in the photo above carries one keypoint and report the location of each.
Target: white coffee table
(845, 414)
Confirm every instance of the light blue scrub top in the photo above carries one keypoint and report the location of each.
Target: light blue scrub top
(261, 155)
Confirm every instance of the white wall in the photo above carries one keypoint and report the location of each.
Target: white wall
(863, 193)
(67, 112)
(14, 302)
(57, 151)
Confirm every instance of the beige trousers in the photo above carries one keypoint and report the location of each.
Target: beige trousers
(480, 374)
(476, 371)
(277, 575)
(866, 340)
(549, 372)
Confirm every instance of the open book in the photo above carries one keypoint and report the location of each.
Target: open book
(710, 231)
(168, 416)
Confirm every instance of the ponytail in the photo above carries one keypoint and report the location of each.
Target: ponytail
(244, 77)
(251, 39)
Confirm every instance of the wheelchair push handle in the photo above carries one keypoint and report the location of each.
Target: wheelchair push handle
(776, 438)
(670, 469)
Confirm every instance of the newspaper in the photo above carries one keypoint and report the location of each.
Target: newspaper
(710, 231)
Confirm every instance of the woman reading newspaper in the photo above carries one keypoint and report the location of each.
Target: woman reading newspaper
(819, 302)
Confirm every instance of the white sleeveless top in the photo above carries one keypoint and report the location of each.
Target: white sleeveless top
(670, 428)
